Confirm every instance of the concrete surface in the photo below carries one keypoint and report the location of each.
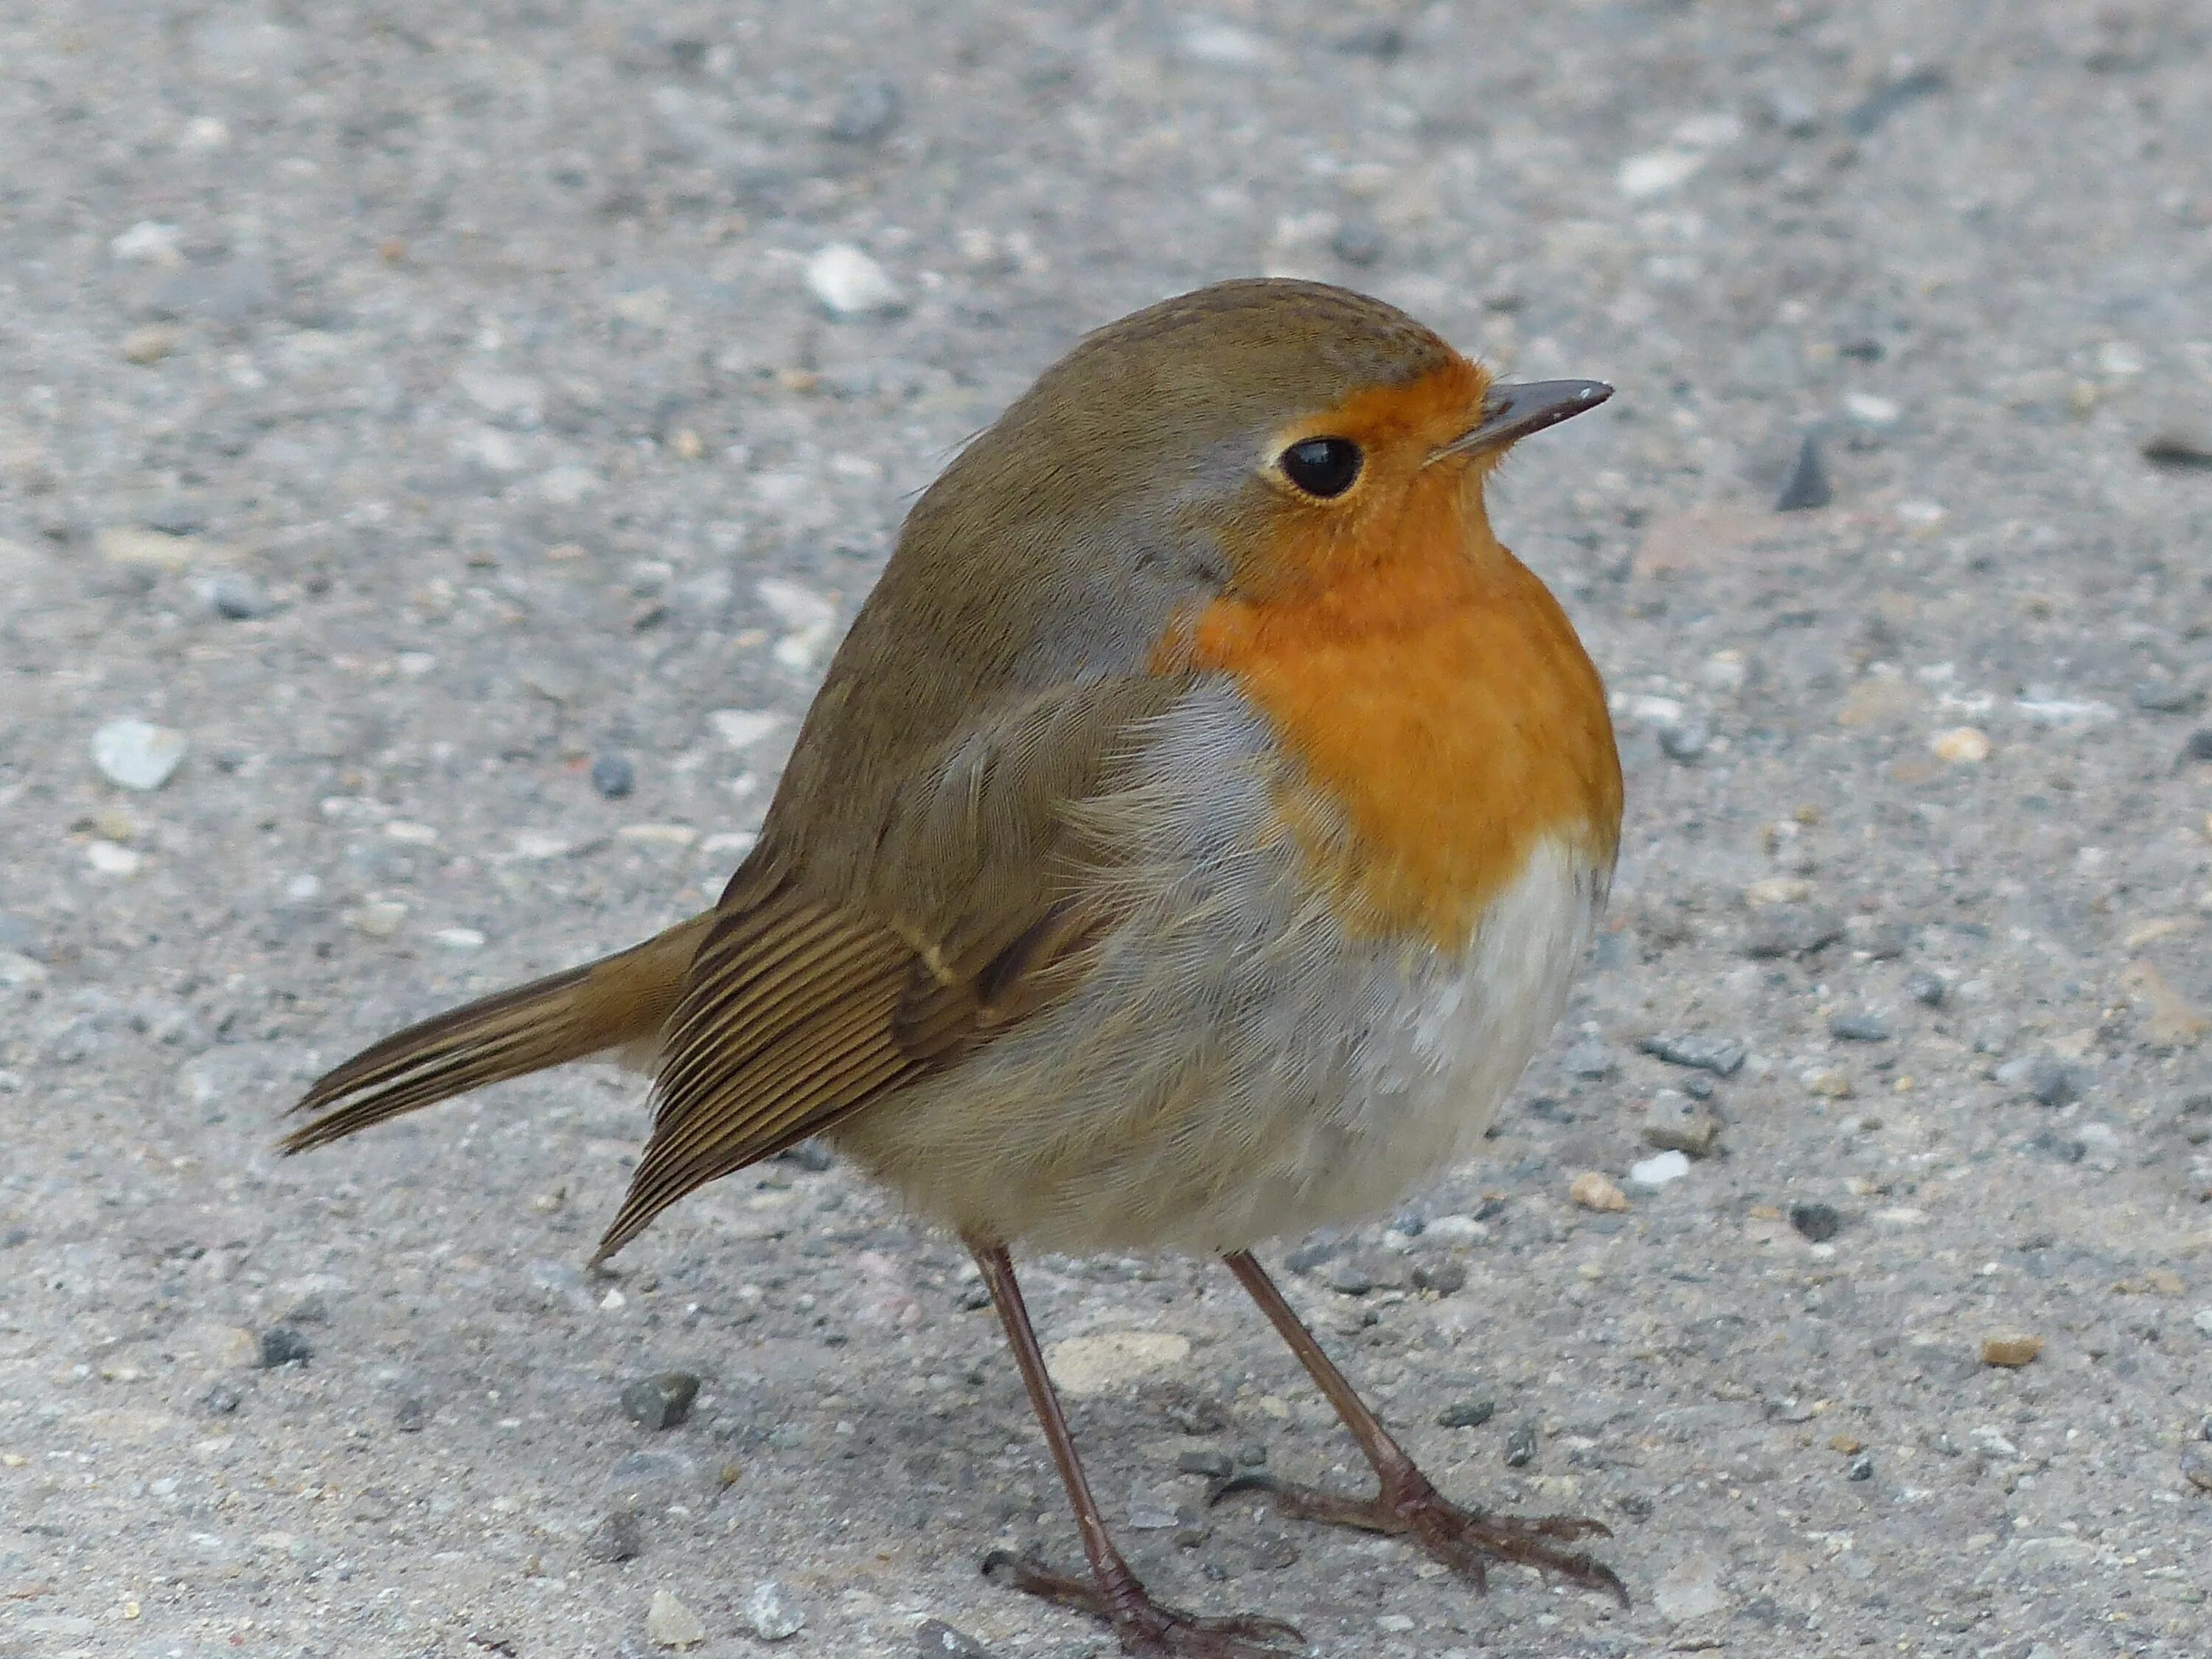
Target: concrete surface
(423, 410)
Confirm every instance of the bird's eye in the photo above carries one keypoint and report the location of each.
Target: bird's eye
(1326, 467)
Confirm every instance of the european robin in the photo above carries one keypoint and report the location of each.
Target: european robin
(1190, 844)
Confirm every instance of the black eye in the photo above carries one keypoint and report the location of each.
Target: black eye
(1322, 466)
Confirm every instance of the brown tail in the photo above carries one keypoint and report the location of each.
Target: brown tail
(607, 1004)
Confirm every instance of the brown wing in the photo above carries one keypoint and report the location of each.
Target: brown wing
(804, 1004)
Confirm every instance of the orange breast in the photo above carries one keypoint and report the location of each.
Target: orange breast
(1445, 717)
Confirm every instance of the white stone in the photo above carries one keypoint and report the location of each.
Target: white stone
(670, 1623)
(379, 919)
(772, 1614)
(2202, 1320)
(1870, 411)
(110, 859)
(1691, 1591)
(459, 938)
(148, 242)
(16, 968)
(1659, 1171)
(811, 619)
(741, 728)
(1093, 1365)
(136, 753)
(535, 844)
(1656, 172)
(849, 284)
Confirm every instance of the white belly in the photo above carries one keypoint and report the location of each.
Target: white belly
(1237, 1067)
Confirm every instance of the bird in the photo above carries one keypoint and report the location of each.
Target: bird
(1191, 842)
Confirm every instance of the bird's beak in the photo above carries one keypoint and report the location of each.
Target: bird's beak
(1510, 413)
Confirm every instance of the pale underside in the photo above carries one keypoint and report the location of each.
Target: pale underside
(1236, 1065)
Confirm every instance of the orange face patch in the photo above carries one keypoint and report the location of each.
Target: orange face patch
(1444, 713)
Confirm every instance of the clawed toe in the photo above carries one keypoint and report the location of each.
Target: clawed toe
(1465, 1541)
(1146, 1628)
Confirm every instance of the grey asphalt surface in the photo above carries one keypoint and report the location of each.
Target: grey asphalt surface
(424, 412)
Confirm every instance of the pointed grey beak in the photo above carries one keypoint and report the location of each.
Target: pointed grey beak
(1512, 412)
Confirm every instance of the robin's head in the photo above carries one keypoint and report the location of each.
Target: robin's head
(1268, 434)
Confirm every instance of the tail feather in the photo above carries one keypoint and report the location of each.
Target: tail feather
(617, 1001)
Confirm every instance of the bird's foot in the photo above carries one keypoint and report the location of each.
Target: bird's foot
(1464, 1540)
(1148, 1629)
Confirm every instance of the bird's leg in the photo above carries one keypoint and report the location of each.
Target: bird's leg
(1145, 1628)
(1464, 1540)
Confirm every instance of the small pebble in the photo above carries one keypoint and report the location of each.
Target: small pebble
(1886, 941)
(2010, 1351)
(849, 283)
(935, 1639)
(148, 345)
(1676, 1123)
(1790, 930)
(1926, 985)
(1860, 1467)
(1357, 242)
(2042, 1077)
(1445, 1278)
(620, 1536)
(2199, 746)
(1594, 1191)
(772, 1614)
(1859, 1027)
(280, 1345)
(235, 598)
(1467, 1414)
(1961, 745)
(1661, 1170)
(1208, 1461)
(136, 753)
(1686, 739)
(613, 775)
(1722, 1056)
(1829, 1082)
(1394, 1623)
(662, 1401)
(1817, 1222)
(867, 109)
(1521, 1446)
(2197, 1466)
(221, 1399)
(1366, 1271)
(409, 1415)
(670, 1623)
(2167, 697)
(2202, 1320)
(1589, 1058)
(1807, 487)
(1251, 1454)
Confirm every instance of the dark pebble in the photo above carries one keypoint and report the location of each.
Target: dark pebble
(221, 1399)
(1698, 1087)
(1467, 1414)
(1859, 1027)
(1885, 101)
(1208, 1461)
(237, 599)
(1818, 1222)
(1252, 1454)
(867, 109)
(1273, 1554)
(1411, 1222)
(935, 1639)
(620, 1536)
(2050, 1080)
(2199, 746)
(1382, 40)
(1790, 930)
(1369, 1270)
(14, 1236)
(409, 1415)
(1686, 739)
(1357, 243)
(1635, 1504)
(1862, 1467)
(662, 1401)
(282, 1346)
(2167, 697)
(613, 775)
(811, 1155)
(1722, 1056)
(1926, 985)
(1807, 486)
(1521, 1447)
(176, 518)
(1886, 941)
(1309, 1254)
(2178, 450)
(1445, 1278)
(975, 1297)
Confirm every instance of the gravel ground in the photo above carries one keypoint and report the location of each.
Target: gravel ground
(447, 423)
